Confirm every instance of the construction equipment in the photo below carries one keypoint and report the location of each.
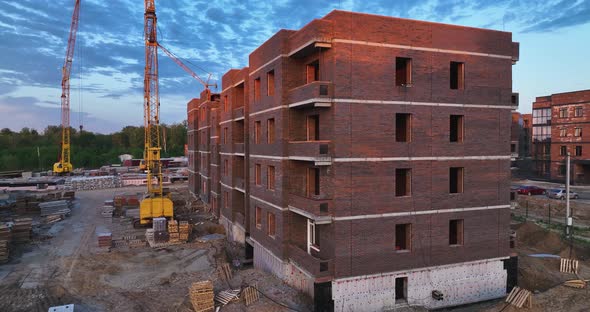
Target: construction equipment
(156, 204)
(64, 166)
(176, 60)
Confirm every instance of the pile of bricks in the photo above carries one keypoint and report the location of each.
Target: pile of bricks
(173, 231)
(4, 243)
(201, 295)
(105, 240)
(93, 183)
(184, 229)
(22, 230)
(107, 211)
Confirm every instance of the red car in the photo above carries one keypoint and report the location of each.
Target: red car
(531, 190)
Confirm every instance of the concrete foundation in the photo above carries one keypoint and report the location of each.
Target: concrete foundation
(460, 283)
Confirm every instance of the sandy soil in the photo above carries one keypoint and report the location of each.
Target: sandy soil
(64, 265)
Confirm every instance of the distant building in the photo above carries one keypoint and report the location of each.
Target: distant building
(561, 122)
(520, 137)
(365, 160)
(125, 157)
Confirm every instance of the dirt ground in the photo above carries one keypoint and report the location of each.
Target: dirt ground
(64, 265)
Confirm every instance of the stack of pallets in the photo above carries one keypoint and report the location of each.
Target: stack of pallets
(160, 231)
(184, 229)
(201, 295)
(4, 243)
(22, 229)
(173, 231)
(105, 240)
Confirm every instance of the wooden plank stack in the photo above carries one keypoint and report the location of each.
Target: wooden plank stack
(184, 230)
(22, 230)
(105, 240)
(576, 283)
(173, 231)
(5, 238)
(520, 297)
(569, 266)
(202, 296)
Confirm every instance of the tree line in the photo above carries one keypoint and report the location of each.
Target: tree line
(30, 150)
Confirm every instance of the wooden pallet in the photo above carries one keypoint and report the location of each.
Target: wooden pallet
(569, 266)
(201, 296)
(520, 297)
(250, 295)
(576, 283)
(226, 271)
(226, 296)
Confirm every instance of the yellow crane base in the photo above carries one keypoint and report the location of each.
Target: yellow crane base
(62, 168)
(155, 207)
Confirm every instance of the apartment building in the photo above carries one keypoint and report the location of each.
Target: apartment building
(560, 123)
(520, 136)
(376, 160)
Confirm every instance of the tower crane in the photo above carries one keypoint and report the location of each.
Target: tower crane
(64, 166)
(176, 60)
(156, 203)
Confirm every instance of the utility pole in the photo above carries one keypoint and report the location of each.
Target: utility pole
(568, 218)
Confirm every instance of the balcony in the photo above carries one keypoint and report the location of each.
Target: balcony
(314, 94)
(316, 207)
(317, 151)
(311, 263)
(238, 113)
(239, 184)
(239, 148)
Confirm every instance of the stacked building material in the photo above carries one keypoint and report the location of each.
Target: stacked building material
(105, 240)
(22, 229)
(107, 211)
(69, 195)
(4, 251)
(184, 230)
(201, 295)
(173, 231)
(5, 233)
(58, 207)
(160, 231)
(27, 205)
(93, 183)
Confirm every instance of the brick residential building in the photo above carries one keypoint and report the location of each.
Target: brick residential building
(376, 160)
(560, 123)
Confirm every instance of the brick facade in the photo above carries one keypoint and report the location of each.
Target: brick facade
(320, 153)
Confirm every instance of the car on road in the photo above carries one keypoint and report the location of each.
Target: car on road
(560, 194)
(530, 190)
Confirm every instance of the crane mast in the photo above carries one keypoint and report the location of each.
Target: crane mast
(64, 164)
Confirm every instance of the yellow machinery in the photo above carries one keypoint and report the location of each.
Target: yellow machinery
(156, 203)
(64, 166)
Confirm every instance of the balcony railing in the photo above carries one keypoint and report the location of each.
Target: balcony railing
(317, 151)
(317, 206)
(316, 266)
(314, 94)
(238, 112)
(239, 183)
(239, 148)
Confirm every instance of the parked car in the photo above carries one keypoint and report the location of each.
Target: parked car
(530, 190)
(560, 194)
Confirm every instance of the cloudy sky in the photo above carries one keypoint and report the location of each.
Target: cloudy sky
(107, 82)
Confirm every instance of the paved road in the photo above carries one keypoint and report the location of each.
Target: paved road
(583, 191)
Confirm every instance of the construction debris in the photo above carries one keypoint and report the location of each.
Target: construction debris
(576, 283)
(201, 296)
(226, 296)
(520, 297)
(22, 230)
(250, 295)
(569, 266)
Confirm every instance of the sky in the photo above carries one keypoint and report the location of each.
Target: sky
(215, 36)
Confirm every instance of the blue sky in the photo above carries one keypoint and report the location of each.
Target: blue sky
(107, 82)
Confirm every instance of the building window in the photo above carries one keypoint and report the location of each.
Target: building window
(562, 170)
(455, 180)
(202, 113)
(403, 71)
(403, 127)
(226, 200)
(578, 132)
(541, 133)
(258, 213)
(270, 131)
(512, 148)
(313, 181)
(457, 130)
(204, 187)
(578, 151)
(257, 89)
(542, 116)
(225, 131)
(401, 289)
(270, 178)
(403, 182)
(313, 128)
(270, 83)
(226, 103)
(313, 71)
(563, 113)
(313, 236)
(257, 126)
(403, 236)
(270, 224)
(457, 75)
(258, 174)
(563, 132)
(562, 150)
(226, 167)
(579, 112)
(456, 232)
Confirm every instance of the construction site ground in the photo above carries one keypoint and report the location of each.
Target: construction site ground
(64, 265)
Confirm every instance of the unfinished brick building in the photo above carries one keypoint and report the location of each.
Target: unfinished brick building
(559, 123)
(376, 157)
